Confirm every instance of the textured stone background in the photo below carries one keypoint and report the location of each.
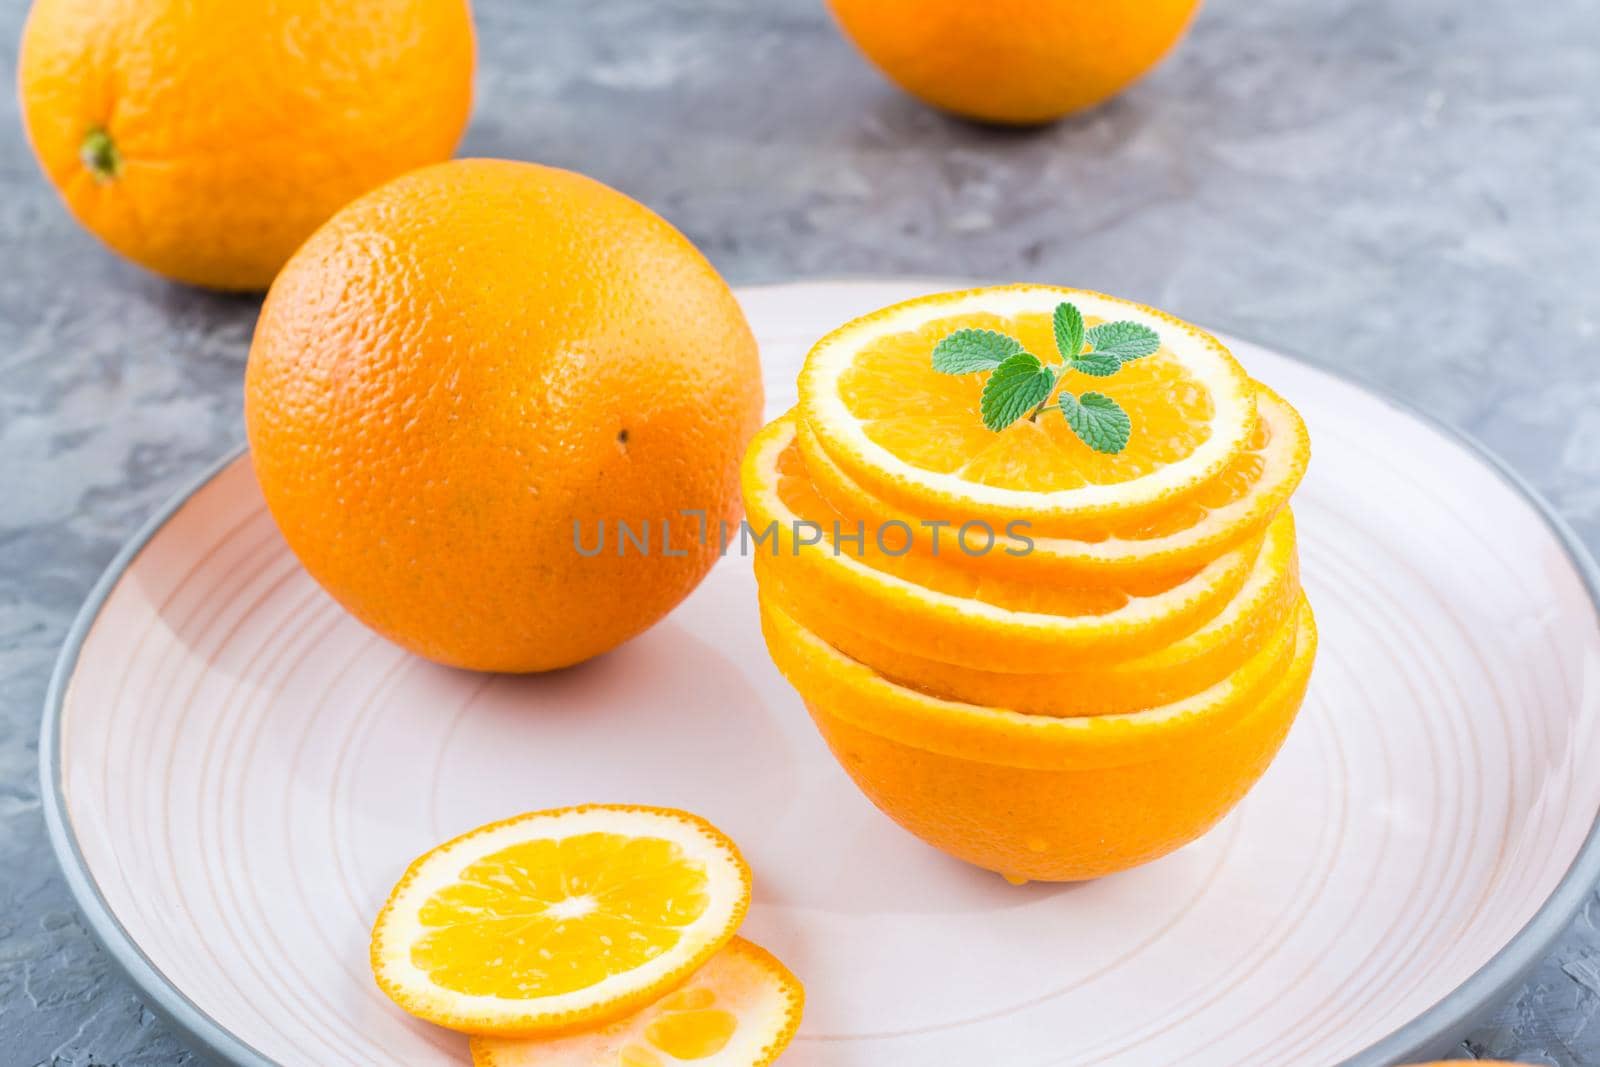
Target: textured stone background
(1405, 187)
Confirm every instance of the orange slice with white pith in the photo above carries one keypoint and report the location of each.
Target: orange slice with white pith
(1231, 507)
(1264, 604)
(949, 611)
(740, 1010)
(851, 690)
(558, 919)
(913, 437)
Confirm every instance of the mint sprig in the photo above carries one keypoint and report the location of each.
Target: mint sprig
(1020, 384)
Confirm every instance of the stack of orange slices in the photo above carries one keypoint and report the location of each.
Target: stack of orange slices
(1050, 661)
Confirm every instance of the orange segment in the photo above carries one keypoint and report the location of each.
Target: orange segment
(913, 436)
(1230, 508)
(1185, 667)
(740, 1010)
(954, 613)
(558, 918)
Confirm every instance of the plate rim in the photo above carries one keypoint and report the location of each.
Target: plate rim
(1447, 1017)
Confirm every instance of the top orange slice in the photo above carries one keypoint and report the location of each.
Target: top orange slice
(914, 438)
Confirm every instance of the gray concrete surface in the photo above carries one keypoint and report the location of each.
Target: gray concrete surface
(1407, 188)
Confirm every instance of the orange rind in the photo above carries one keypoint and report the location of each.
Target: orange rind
(1045, 799)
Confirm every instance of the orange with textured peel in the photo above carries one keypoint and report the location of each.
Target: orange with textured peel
(951, 612)
(913, 438)
(739, 1010)
(1014, 61)
(558, 919)
(1049, 799)
(1190, 664)
(477, 368)
(206, 141)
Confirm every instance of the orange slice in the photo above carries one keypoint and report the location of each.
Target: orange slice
(913, 437)
(740, 1010)
(950, 612)
(1261, 608)
(852, 691)
(1232, 507)
(558, 918)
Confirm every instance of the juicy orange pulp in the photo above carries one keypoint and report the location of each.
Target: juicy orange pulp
(556, 920)
(551, 916)
(691, 1026)
(928, 419)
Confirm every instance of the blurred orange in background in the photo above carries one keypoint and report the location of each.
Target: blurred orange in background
(1016, 62)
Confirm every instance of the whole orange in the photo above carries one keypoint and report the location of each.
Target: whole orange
(205, 141)
(1014, 61)
(471, 375)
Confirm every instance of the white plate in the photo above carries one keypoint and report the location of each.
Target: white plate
(237, 772)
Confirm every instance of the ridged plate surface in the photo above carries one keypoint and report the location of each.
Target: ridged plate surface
(245, 771)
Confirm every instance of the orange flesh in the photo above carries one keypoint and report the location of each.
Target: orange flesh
(945, 574)
(1235, 482)
(691, 1028)
(930, 420)
(546, 917)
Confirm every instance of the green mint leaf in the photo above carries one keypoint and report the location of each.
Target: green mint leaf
(1016, 387)
(1069, 331)
(1098, 421)
(1125, 340)
(1099, 364)
(966, 351)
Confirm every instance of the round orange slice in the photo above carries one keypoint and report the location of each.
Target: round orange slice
(914, 438)
(558, 919)
(1227, 510)
(1261, 608)
(949, 611)
(740, 1010)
